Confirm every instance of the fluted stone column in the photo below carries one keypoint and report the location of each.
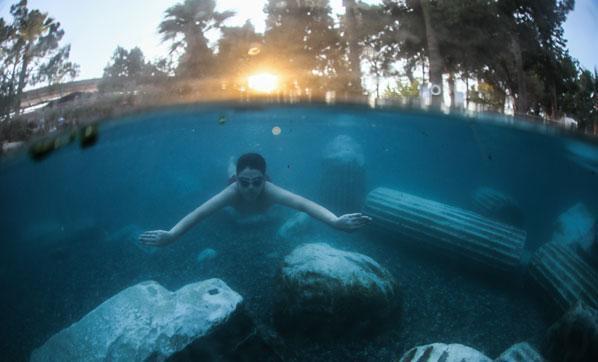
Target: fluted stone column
(446, 228)
(566, 277)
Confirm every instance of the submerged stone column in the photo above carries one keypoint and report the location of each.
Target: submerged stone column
(566, 277)
(342, 187)
(446, 228)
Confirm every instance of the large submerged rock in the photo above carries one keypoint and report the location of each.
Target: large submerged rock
(444, 352)
(143, 322)
(324, 290)
(574, 338)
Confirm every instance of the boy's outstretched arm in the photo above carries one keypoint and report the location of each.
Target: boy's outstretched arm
(163, 237)
(347, 222)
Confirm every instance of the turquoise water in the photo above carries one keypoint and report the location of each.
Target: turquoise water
(69, 221)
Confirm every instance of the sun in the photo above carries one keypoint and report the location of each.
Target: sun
(263, 82)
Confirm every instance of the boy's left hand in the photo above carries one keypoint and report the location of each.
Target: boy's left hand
(351, 222)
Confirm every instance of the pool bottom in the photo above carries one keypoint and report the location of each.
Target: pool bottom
(442, 300)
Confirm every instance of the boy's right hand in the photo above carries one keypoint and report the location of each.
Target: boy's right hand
(156, 238)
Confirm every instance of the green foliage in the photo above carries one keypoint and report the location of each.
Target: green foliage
(57, 68)
(403, 90)
(486, 94)
(581, 100)
(302, 44)
(127, 69)
(30, 53)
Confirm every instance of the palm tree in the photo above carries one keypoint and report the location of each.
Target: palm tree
(185, 24)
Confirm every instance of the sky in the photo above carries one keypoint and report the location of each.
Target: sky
(95, 28)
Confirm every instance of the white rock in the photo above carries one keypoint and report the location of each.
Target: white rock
(319, 262)
(575, 227)
(206, 254)
(144, 321)
(323, 287)
(444, 352)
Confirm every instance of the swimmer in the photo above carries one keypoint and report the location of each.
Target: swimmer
(250, 192)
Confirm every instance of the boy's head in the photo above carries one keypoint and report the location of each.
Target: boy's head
(252, 161)
(251, 175)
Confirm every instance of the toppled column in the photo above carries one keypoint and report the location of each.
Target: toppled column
(565, 276)
(342, 187)
(498, 206)
(448, 228)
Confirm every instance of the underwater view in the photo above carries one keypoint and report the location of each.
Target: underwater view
(461, 210)
(299, 180)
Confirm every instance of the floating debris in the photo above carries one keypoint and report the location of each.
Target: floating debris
(88, 136)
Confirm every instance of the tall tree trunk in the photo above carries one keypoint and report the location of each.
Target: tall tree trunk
(434, 56)
(466, 92)
(521, 102)
(451, 84)
(354, 48)
(22, 77)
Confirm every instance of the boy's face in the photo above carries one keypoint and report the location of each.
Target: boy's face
(250, 183)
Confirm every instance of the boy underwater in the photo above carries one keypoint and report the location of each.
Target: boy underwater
(251, 192)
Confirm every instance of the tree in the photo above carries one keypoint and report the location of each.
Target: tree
(302, 44)
(351, 26)
(57, 68)
(7, 33)
(369, 40)
(239, 51)
(126, 70)
(185, 25)
(30, 54)
(580, 101)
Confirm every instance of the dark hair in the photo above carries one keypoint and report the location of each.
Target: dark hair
(253, 161)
